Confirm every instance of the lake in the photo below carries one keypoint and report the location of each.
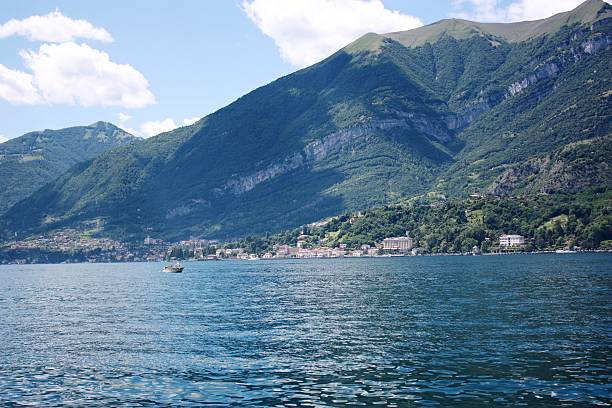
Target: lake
(421, 331)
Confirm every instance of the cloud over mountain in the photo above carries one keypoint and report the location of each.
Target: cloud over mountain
(517, 10)
(306, 31)
(152, 128)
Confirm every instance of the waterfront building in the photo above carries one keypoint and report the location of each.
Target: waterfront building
(282, 250)
(511, 241)
(338, 253)
(398, 244)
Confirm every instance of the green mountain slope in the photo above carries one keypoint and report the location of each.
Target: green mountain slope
(30, 161)
(380, 119)
(438, 224)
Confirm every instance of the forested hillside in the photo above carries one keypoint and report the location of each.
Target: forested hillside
(441, 225)
(455, 107)
(30, 161)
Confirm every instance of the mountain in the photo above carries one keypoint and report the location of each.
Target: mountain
(588, 13)
(455, 107)
(30, 161)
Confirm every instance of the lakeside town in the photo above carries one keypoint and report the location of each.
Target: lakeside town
(72, 246)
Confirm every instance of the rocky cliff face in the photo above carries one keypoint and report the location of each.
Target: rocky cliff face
(563, 59)
(311, 153)
(571, 169)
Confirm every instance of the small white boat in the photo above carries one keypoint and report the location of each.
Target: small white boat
(176, 268)
(565, 251)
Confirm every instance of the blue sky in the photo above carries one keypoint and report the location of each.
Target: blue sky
(153, 65)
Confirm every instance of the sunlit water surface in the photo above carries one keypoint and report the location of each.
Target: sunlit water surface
(449, 331)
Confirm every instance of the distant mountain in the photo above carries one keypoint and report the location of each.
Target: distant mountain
(455, 107)
(30, 161)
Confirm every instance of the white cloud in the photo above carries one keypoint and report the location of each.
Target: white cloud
(17, 86)
(4, 138)
(190, 121)
(63, 72)
(155, 127)
(123, 117)
(53, 27)
(306, 31)
(70, 73)
(518, 10)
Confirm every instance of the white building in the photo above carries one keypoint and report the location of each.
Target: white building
(511, 241)
(153, 241)
(400, 244)
(338, 253)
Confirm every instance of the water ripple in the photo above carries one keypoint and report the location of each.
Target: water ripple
(490, 331)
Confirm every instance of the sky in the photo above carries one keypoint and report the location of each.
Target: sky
(153, 65)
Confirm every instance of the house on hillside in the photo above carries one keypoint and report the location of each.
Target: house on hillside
(511, 241)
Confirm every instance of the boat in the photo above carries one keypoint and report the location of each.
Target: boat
(565, 251)
(176, 268)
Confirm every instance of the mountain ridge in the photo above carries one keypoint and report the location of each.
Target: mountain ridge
(41, 156)
(589, 12)
(370, 124)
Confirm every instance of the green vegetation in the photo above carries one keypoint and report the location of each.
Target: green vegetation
(374, 123)
(440, 225)
(30, 161)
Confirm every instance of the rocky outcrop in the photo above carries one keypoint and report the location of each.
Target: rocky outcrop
(473, 110)
(593, 45)
(241, 185)
(546, 71)
(583, 43)
(569, 170)
(186, 208)
(587, 46)
(312, 152)
(441, 131)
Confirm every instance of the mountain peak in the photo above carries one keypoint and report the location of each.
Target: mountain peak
(110, 129)
(104, 125)
(587, 13)
(368, 42)
(100, 123)
(41, 156)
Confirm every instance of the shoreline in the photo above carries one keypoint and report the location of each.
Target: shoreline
(320, 258)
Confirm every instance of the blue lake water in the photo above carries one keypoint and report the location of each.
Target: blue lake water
(534, 330)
